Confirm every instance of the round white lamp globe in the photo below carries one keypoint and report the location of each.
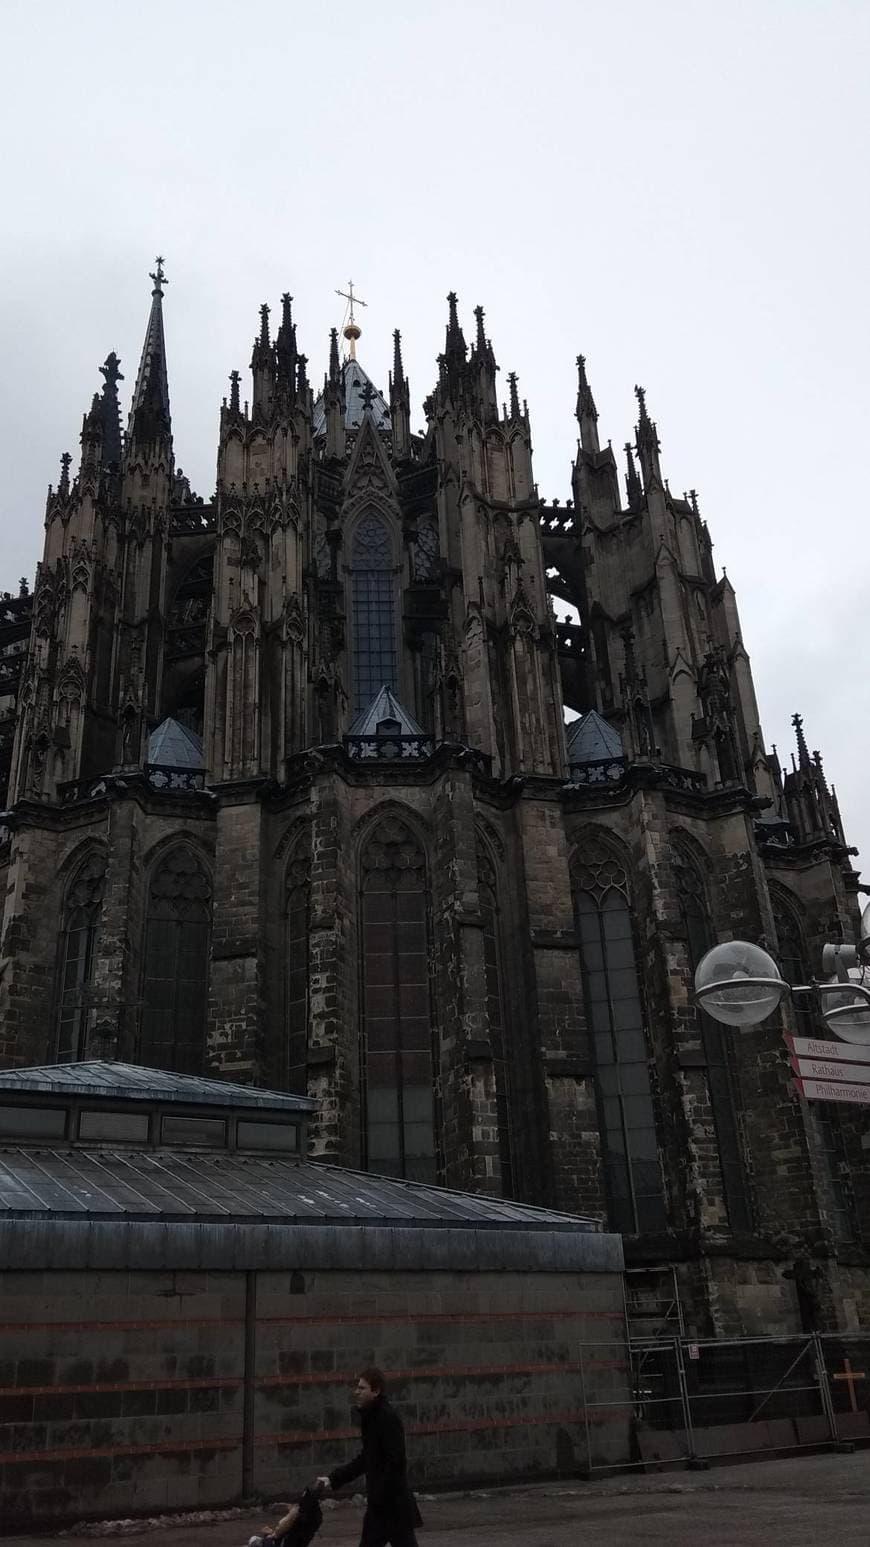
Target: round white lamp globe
(738, 983)
(851, 1010)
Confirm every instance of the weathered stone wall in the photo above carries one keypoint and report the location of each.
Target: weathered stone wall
(138, 1392)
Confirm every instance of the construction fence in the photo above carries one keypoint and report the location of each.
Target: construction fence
(696, 1400)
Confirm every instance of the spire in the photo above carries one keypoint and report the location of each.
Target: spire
(285, 343)
(587, 413)
(235, 380)
(633, 490)
(647, 441)
(400, 403)
(263, 368)
(398, 377)
(480, 339)
(803, 750)
(112, 448)
(455, 341)
(63, 486)
(334, 367)
(150, 421)
(514, 396)
(301, 377)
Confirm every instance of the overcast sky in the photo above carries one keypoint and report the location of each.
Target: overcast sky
(679, 191)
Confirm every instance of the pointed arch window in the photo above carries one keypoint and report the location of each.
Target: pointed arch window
(373, 610)
(175, 969)
(81, 916)
(297, 919)
(615, 1017)
(824, 1117)
(396, 1032)
(495, 1007)
(717, 1047)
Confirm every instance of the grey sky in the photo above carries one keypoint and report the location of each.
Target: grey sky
(677, 190)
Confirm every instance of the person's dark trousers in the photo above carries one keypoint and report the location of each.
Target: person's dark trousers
(377, 1533)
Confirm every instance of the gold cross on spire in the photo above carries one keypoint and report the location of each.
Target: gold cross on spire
(352, 330)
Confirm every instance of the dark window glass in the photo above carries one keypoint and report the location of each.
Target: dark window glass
(396, 1052)
(824, 1116)
(81, 916)
(717, 1046)
(496, 1014)
(175, 976)
(373, 611)
(615, 1016)
(297, 918)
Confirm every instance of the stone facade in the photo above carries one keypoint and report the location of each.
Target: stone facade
(471, 940)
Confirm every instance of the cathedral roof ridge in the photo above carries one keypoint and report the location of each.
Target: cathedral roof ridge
(385, 706)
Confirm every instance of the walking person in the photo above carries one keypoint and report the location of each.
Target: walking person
(391, 1509)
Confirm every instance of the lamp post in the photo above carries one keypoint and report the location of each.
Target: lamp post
(740, 985)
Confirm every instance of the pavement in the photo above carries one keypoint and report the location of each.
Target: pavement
(796, 1502)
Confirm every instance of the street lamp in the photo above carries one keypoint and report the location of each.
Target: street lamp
(740, 985)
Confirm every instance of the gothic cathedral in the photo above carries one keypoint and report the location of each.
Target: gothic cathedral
(292, 799)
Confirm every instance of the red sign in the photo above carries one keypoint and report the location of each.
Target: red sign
(830, 1090)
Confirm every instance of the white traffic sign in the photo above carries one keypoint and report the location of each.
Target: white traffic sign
(818, 1047)
(830, 1090)
(831, 1069)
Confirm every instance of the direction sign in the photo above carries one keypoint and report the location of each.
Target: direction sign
(818, 1047)
(830, 1069)
(830, 1090)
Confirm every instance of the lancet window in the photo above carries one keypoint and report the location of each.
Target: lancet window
(373, 610)
(396, 1030)
(496, 1018)
(716, 1041)
(824, 1119)
(297, 912)
(81, 916)
(175, 970)
(616, 1021)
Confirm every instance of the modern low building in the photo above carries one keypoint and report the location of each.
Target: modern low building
(185, 1300)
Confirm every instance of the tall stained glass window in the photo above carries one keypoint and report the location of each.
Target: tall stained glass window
(175, 975)
(615, 1016)
(492, 960)
(81, 916)
(717, 1042)
(825, 1124)
(296, 914)
(396, 1031)
(373, 610)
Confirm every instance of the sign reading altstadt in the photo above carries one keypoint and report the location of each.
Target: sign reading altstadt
(828, 1070)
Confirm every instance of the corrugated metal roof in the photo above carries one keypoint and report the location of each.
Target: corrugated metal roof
(104, 1183)
(98, 1077)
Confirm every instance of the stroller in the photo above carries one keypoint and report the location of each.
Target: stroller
(309, 1519)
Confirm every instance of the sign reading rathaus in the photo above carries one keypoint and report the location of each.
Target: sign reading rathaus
(292, 801)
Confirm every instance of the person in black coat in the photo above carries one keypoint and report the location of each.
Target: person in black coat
(391, 1509)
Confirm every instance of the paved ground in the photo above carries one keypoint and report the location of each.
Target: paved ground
(800, 1502)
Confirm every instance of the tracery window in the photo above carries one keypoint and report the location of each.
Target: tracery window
(297, 909)
(492, 961)
(396, 1030)
(615, 1017)
(175, 970)
(824, 1116)
(716, 1042)
(81, 917)
(373, 611)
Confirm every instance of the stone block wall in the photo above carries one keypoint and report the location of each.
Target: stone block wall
(136, 1392)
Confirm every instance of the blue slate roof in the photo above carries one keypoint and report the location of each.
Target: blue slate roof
(385, 706)
(355, 380)
(591, 739)
(129, 1082)
(172, 745)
